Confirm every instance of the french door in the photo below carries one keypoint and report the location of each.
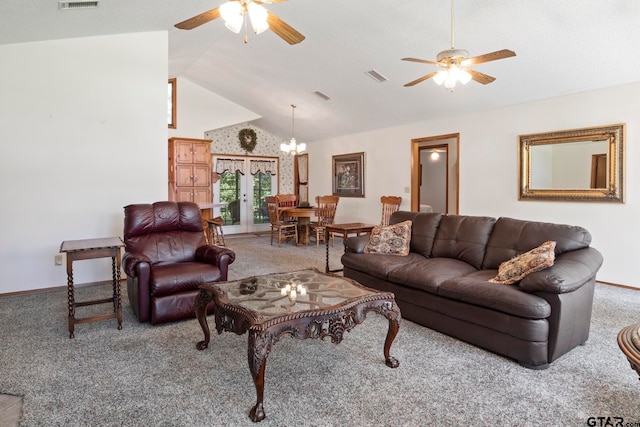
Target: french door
(240, 191)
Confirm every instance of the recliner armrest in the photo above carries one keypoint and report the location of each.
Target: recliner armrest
(216, 255)
(130, 262)
(570, 271)
(211, 254)
(356, 244)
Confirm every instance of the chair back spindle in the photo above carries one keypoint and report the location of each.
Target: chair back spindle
(390, 204)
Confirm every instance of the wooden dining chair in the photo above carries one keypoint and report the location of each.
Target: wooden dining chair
(285, 229)
(326, 214)
(390, 204)
(287, 201)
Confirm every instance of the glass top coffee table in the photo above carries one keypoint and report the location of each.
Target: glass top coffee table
(304, 304)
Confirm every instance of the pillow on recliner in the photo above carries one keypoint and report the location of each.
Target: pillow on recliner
(390, 240)
(524, 264)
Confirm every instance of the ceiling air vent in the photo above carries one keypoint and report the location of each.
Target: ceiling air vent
(65, 5)
(322, 95)
(376, 76)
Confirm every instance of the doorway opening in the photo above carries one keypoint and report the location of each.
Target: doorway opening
(240, 189)
(434, 174)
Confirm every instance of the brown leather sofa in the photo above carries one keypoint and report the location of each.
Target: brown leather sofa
(166, 259)
(443, 283)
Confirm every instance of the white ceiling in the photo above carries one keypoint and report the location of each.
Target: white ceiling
(562, 47)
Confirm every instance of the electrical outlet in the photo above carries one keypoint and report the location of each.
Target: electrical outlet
(58, 259)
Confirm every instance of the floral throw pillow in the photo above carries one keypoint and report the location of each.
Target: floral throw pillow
(390, 240)
(517, 268)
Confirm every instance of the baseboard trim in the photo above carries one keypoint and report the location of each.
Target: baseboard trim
(617, 285)
(58, 288)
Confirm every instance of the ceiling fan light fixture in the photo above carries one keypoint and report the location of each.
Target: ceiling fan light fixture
(440, 77)
(464, 76)
(233, 14)
(258, 16)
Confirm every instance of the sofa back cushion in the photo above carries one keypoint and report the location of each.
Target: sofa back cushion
(512, 237)
(423, 229)
(463, 237)
(165, 232)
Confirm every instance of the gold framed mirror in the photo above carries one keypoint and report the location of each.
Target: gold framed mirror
(584, 164)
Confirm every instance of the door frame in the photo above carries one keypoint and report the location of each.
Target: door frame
(433, 142)
(235, 229)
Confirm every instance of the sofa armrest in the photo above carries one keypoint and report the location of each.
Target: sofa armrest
(130, 262)
(570, 271)
(356, 244)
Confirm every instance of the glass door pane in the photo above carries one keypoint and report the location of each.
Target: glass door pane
(242, 196)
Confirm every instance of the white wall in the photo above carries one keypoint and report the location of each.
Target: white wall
(82, 121)
(488, 168)
(200, 110)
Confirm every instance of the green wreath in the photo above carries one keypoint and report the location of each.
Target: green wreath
(248, 139)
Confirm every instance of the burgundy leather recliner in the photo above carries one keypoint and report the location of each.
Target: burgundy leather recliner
(166, 260)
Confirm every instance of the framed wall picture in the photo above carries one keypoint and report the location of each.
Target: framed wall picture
(348, 175)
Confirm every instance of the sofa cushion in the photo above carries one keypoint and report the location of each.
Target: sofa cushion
(518, 268)
(428, 273)
(423, 230)
(463, 238)
(475, 289)
(511, 237)
(390, 240)
(376, 265)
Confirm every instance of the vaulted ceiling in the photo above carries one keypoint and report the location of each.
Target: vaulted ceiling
(562, 47)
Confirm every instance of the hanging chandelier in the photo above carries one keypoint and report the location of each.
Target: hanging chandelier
(293, 147)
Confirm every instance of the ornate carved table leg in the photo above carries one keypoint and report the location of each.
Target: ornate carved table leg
(393, 315)
(202, 301)
(258, 349)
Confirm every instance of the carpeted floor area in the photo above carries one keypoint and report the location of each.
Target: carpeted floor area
(153, 376)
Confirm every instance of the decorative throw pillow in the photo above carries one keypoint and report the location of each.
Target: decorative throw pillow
(390, 240)
(517, 268)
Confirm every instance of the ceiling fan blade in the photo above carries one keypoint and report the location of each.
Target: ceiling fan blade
(487, 57)
(198, 20)
(422, 61)
(421, 79)
(285, 31)
(480, 77)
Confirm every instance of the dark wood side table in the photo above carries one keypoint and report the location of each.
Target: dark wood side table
(90, 249)
(344, 229)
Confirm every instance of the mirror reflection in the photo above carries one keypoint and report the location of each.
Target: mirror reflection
(581, 164)
(578, 164)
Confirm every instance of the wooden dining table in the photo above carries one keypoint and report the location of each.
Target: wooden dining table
(304, 216)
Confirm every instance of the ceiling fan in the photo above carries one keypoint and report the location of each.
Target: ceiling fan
(454, 64)
(234, 13)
